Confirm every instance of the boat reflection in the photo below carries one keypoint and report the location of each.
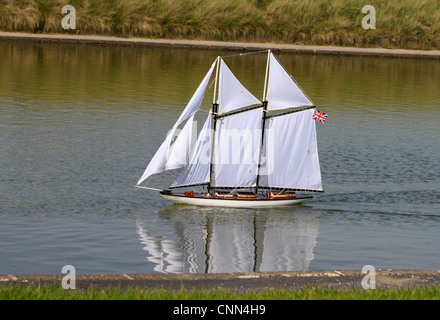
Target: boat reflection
(184, 239)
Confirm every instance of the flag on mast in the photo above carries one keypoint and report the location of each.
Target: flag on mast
(319, 116)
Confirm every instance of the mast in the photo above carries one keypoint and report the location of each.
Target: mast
(214, 120)
(290, 171)
(265, 78)
(263, 121)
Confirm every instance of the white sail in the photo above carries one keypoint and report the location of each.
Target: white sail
(237, 149)
(291, 159)
(159, 162)
(197, 170)
(282, 90)
(196, 101)
(178, 155)
(232, 94)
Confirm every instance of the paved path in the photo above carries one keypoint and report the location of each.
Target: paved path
(241, 282)
(230, 46)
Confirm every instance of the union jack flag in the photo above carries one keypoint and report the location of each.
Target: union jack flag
(319, 116)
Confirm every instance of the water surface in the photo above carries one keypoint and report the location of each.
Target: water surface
(79, 125)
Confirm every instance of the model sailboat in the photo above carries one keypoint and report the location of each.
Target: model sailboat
(249, 153)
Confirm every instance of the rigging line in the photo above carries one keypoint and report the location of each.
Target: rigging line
(280, 192)
(213, 80)
(235, 188)
(246, 53)
(148, 188)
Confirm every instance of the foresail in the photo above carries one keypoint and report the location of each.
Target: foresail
(232, 94)
(179, 152)
(282, 90)
(196, 101)
(237, 149)
(197, 170)
(291, 153)
(159, 162)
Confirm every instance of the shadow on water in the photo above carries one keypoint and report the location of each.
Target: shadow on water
(216, 240)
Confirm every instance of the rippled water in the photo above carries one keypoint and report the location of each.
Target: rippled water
(79, 125)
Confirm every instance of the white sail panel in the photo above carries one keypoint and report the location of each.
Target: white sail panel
(179, 152)
(197, 170)
(159, 161)
(237, 149)
(282, 90)
(232, 94)
(196, 101)
(291, 153)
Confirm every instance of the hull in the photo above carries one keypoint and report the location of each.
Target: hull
(234, 203)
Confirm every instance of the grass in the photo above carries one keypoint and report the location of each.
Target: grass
(399, 23)
(52, 292)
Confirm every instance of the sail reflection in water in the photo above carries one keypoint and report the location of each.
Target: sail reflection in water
(220, 240)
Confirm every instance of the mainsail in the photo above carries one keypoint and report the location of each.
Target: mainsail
(290, 151)
(291, 158)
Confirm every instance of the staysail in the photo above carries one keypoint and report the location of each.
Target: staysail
(160, 161)
(179, 151)
(197, 170)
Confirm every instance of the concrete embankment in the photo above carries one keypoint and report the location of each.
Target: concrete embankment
(214, 45)
(241, 282)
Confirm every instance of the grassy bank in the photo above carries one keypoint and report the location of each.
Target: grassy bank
(399, 23)
(50, 292)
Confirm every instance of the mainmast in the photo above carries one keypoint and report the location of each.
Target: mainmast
(263, 122)
(214, 120)
(294, 130)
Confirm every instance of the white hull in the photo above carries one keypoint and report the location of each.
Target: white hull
(234, 203)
